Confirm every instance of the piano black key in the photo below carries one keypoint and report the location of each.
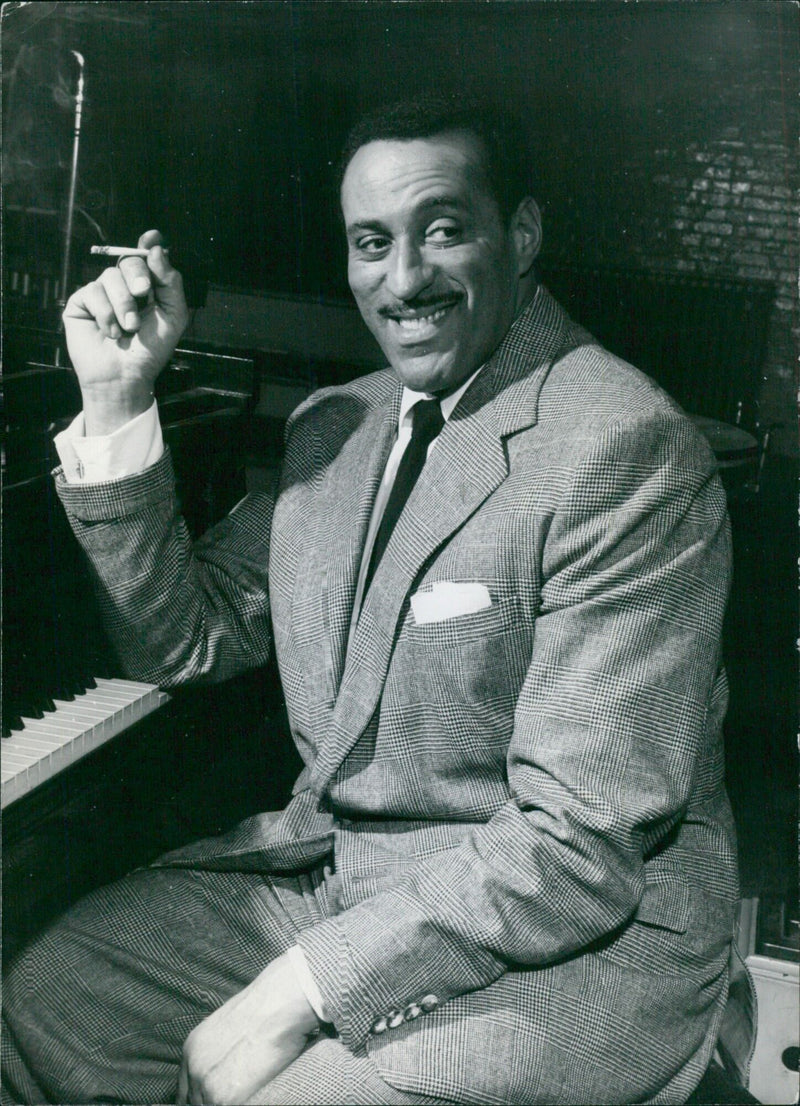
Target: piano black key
(26, 701)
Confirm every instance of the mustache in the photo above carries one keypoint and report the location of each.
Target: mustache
(409, 308)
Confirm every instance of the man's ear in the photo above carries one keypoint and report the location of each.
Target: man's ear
(526, 234)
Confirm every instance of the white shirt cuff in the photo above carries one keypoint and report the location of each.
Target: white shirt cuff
(297, 958)
(130, 449)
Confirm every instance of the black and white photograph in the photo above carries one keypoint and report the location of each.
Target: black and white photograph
(400, 552)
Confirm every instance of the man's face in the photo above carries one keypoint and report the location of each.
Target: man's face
(435, 273)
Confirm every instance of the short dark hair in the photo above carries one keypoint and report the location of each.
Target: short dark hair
(505, 160)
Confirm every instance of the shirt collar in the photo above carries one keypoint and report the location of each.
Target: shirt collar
(448, 404)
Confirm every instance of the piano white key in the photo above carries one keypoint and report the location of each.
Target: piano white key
(106, 689)
(129, 688)
(12, 786)
(36, 745)
(12, 758)
(105, 704)
(47, 745)
(52, 724)
(83, 712)
(51, 753)
(27, 766)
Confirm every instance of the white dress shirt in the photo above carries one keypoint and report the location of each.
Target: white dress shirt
(139, 443)
(133, 447)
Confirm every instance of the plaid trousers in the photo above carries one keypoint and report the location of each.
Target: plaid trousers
(97, 1008)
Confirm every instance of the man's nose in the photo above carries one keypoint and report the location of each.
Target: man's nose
(409, 271)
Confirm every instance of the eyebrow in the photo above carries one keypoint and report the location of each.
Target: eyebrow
(430, 204)
(367, 224)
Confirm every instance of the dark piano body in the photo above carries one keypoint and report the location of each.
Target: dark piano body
(102, 773)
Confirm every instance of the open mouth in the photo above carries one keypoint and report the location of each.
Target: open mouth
(422, 322)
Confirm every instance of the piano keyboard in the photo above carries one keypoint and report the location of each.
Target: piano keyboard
(45, 746)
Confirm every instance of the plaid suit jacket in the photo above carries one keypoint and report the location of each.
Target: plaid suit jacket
(535, 872)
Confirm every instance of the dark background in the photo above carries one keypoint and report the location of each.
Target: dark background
(664, 137)
(664, 133)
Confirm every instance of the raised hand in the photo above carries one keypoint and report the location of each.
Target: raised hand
(121, 331)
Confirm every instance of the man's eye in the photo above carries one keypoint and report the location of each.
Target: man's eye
(375, 243)
(443, 232)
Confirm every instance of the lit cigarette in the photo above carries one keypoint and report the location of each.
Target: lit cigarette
(120, 251)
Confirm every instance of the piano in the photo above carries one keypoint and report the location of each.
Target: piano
(62, 697)
(35, 750)
(101, 773)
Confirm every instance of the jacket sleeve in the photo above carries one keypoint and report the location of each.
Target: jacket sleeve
(174, 611)
(623, 688)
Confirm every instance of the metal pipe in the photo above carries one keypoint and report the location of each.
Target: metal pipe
(63, 288)
(73, 180)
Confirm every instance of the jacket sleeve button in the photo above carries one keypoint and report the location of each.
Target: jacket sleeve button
(430, 1002)
(413, 1010)
(394, 1018)
(378, 1026)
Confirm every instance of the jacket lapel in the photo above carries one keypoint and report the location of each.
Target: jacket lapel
(328, 584)
(468, 463)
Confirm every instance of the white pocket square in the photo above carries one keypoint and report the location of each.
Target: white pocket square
(447, 600)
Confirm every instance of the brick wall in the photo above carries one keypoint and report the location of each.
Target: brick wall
(711, 190)
(728, 207)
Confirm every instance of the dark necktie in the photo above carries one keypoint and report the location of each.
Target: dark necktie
(426, 423)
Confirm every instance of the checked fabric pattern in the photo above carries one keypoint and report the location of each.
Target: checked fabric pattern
(524, 806)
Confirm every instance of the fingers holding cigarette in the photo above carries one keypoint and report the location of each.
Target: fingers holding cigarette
(122, 328)
(143, 276)
(141, 296)
(147, 240)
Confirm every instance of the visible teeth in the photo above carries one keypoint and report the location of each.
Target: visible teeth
(419, 321)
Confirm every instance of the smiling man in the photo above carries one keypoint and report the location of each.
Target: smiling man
(494, 576)
(438, 274)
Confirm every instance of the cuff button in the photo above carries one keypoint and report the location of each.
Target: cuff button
(430, 1002)
(413, 1010)
(378, 1026)
(394, 1018)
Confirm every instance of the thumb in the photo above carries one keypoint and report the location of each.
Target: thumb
(167, 282)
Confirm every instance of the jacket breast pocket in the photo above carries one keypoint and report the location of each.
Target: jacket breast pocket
(498, 618)
(479, 656)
